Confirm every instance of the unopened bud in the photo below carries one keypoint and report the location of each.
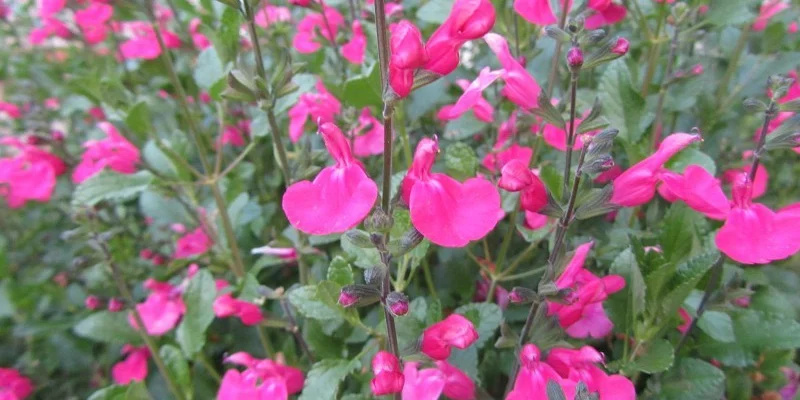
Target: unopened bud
(779, 85)
(521, 295)
(754, 105)
(576, 24)
(374, 275)
(597, 164)
(597, 35)
(358, 295)
(146, 254)
(92, 302)
(575, 58)
(557, 33)
(57, 135)
(397, 303)
(621, 46)
(408, 242)
(114, 305)
(379, 221)
(359, 238)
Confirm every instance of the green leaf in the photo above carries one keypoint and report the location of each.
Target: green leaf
(110, 186)
(133, 391)
(686, 278)
(692, 156)
(624, 107)
(178, 368)
(365, 89)
(730, 12)
(626, 265)
(305, 83)
(692, 379)
(435, 12)
(209, 69)
(763, 331)
(485, 316)
(138, 119)
(463, 127)
(718, 325)
(340, 271)
(533, 235)
(305, 300)
(364, 258)
(107, 327)
(199, 298)
(677, 234)
(322, 382)
(460, 161)
(657, 358)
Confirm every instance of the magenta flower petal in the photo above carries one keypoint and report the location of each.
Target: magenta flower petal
(536, 12)
(474, 92)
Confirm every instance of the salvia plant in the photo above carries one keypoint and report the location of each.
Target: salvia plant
(462, 199)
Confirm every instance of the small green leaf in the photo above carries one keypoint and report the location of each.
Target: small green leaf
(460, 161)
(485, 316)
(107, 327)
(692, 379)
(178, 368)
(305, 83)
(110, 186)
(692, 156)
(658, 357)
(365, 89)
(762, 331)
(718, 325)
(730, 12)
(340, 271)
(435, 11)
(138, 119)
(199, 298)
(209, 69)
(686, 278)
(132, 391)
(624, 107)
(305, 300)
(677, 234)
(364, 258)
(463, 127)
(322, 382)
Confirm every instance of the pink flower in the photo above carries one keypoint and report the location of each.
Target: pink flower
(580, 365)
(520, 87)
(454, 331)
(468, 20)
(13, 385)
(534, 221)
(52, 103)
(22, 181)
(584, 315)
(445, 211)
(91, 302)
(532, 378)
(264, 370)
(517, 177)
(10, 109)
(793, 27)
(769, 9)
(114, 152)
(226, 306)
(537, 12)
(115, 304)
(133, 368)
(286, 253)
(388, 378)
(161, 311)
(622, 45)
(340, 196)
(368, 135)
(637, 185)
(272, 14)
(606, 13)
(93, 21)
(143, 43)
(306, 41)
(48, 8)
(29, 151)
(192, 244)
(556, 137)
(686, 321)
(233, 136)
(426, 384)
(353, 50)
(408, 53)
(472, 99)
(457, 385)
(50, 26)
(236, 386)
(759, 182)
(322, 107)
(199, 40)
(699, 190)
(502, 153)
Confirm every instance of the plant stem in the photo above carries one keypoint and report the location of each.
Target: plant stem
(262, 337)
(426, 269)
(713, 281)
(551, 78)
(652, 53)
(573, 85)
(501, 258)
(287, 310)
(762, 138)
(662, 93)
(722, 88)
(203, 359)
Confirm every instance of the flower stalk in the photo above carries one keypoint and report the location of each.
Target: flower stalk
(662, 93)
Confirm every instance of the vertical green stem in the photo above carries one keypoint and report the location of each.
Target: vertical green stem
(662, 93)
(733, 64)
(573, 84)
(762, 138)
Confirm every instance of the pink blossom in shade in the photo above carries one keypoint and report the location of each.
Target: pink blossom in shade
(388, 377)
(537, 12)
(408, 53)
(368, 135)
(792, 28)
(52, 103)
(11, 110)
(517, 177)
(236, 386)
(532, 378)
(199, 40)
(22, 181)
(143, 43)
(300, 3)
(50, 27)
(114, 152)
(306, 41)
(584, 315)
(321, 107)
(608, 175)
(581, 365)
(637, 185)
(353, 51)
(504, 150)
(457, 385)
(13, 385)
(233, 136)
(447, 212)
(501, 295)
(426, 384)
(91, 302)
(610, 15)
(93, 21)
(534, 221)
(754, 234)
(33, 154)
(160, 313)
(454, 331)
(115, 304)
(133, 368)
(769, 9)
(686, 321)
(699, 190)
(790, 389)
(621, 46)
(286, 253)
(271, 14)
(192, 244)
(468, 20)
(472, 98)
(226, 306)
(266, 369)
(557, 138)
(48, 8)
(521, 89)
(340, 196)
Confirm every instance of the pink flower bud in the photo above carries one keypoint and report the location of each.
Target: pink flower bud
(697, 69)
(58, 136)
(621, 46)
(388, 376)
(454, 331)
(92, 303)
(146, 254)
(347, 299)
(398, 303)
(575, 57)
(114, 305)
(158, 260)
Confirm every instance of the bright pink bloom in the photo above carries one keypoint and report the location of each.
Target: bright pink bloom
(534, 221)
(306, 41)
(340, 196)
(520, 87)
(621, 46)
(388, 378)
(759, 182)
(793, 27)
(445, 211)
(557, 137)
(580, 365)
(532, 378)
(584, 315)
(10, 109)
(426, 384)
(686, 321)
(133, 368)
(502, 153)
(93, 21)
(537, 12)
(472, 99)
(368, 135)
(754, 234)
(115, 304)
(769, 9)
(606, 13)
(233, 136)
(31, 153)
(91, 302)
(22, 181)
(517, 177)
(13, 385)
(637, 185)
(457, 385)
(454, 331)
(50, 26)
(226, 306)
(143, 43)
(48, 8)
(114, 152)
(408, 53)
(264, 370)
(236, 386)
(192, 244)
(699, 190)
(468, 20)
(272, 14)
(575, 57)
(199, 40)
(322, 107)
(354, 50)
(161, 311)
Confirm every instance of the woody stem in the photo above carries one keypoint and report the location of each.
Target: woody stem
(762, 138)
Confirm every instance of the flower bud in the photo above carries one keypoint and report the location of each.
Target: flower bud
(358, 295)
(359, 238)
(620, 46)
(556, 33)
(521, 295)
(575, 58)
(374, 275)
(57, 135)
(92, 302)
(115, 305)
(379, 221)
(754, 105)
(146, 254)
(397, 303)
